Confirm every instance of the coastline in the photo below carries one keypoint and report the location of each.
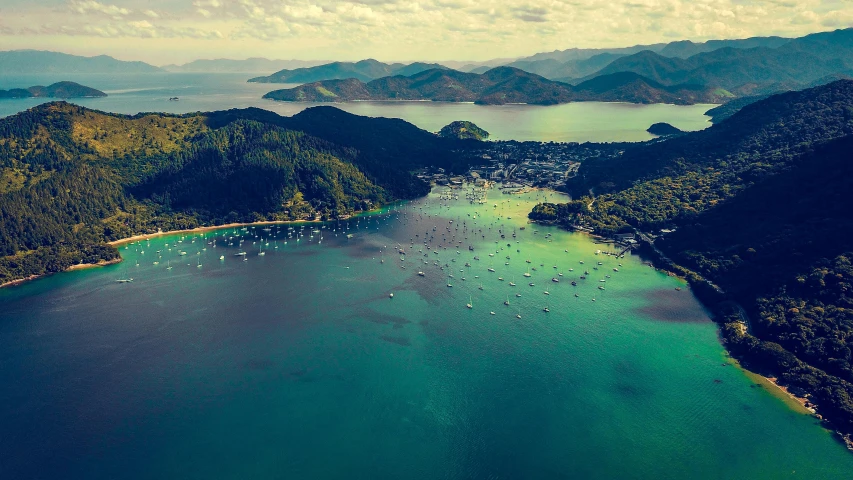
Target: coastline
(801, 405)
(160, 233)
(146, 236)
(79, 266)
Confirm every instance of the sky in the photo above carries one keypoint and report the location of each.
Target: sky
(176, 31)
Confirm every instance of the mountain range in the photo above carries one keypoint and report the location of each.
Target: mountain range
(37, 62)
(497, 86)
(226, 65)
(365, 71)
(748, 70)
(56, 90)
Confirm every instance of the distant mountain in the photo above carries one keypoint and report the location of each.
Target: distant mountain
(365, 71)
(497, 86)
(56, 90)
(633, 88)
(686, 48)
(574, 54)
(749, 71)
(36, 62)
(249, 65)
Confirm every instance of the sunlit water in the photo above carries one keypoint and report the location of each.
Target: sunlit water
(298, 364)
(575, 122)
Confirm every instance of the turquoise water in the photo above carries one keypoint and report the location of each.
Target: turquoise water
(573, 122)
(298, 364)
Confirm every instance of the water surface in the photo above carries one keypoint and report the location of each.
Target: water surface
(298, 364)
(573, 122)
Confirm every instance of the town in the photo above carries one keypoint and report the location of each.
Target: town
(521, 165)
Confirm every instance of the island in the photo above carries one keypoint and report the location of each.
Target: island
(56, 90)
(463, 130)
(663, 129)
(498, 86)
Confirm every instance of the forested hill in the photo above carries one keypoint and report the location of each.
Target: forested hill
(498, 86)
(73, 178)
(761, 207)
(56, 90)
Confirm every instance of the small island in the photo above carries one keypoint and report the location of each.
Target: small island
(56, 90)
(664, 129)
(463, 130)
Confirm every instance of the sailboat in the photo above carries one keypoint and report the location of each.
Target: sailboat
(527, 273)
(168, 264)
(506, 302)
(470, 302)
(261, 253)
(126, 278)
(198, 263)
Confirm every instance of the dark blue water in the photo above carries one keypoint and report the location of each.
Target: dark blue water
(298, 364)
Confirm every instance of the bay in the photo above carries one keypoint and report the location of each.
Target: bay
(299, 364)
(573, 122)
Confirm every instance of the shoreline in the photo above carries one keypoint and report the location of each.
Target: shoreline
(79, 266)
(147, 236)
(160, 233)
(801, 405)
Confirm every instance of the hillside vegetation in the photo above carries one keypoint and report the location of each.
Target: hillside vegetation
(72, 178)
(760, 205)
(498, 86)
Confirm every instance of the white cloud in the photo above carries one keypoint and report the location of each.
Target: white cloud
(425, 29)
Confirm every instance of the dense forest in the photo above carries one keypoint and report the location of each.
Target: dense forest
(759, 205)
(72, 178)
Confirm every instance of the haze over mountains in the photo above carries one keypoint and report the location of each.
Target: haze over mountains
(365, 71)
(680, 72)
(249, 65)
(35, 62)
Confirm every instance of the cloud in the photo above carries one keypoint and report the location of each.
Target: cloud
(91, 6)
(404, 29)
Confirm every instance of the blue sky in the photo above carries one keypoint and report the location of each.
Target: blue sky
(160, 31)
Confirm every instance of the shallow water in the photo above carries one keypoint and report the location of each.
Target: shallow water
(573, 122)
(297, 364)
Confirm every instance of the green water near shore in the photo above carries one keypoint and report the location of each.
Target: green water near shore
(298, 364)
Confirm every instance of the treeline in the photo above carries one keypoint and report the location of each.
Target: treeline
(760, 206)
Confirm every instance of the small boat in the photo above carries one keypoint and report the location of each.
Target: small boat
(491, 270)
(222, 257)
(390, 295)
(555, 280)
(546, 310)
(491, 313)
(470, 303)
(421, 274)
(532, 284)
